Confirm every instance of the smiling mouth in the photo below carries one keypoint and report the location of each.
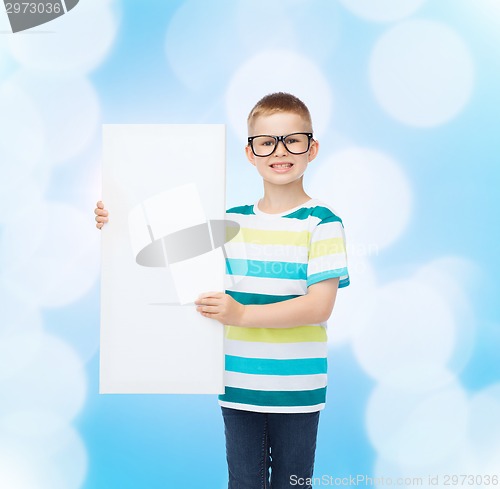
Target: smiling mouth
(281, 165)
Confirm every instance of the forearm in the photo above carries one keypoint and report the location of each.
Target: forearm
(312, 308)
(298, 311)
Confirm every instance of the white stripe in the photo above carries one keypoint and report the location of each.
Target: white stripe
(283, 224)
(271, 286)
(328, 230)
(327, 262)
(272, 409)
(275, 382)
(252, 251)
(279, 351)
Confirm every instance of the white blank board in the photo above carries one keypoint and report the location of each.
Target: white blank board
(157, 180)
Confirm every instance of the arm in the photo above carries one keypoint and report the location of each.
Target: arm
(313, 308)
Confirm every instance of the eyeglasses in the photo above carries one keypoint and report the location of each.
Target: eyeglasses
(295, 143)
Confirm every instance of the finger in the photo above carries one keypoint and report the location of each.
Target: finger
(100, 204)
(210, 294)
(209, 309)
(101, 219)
(207, 301)
(99, 225)
(210, 301)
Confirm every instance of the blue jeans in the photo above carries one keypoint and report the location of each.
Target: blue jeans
(258, 443)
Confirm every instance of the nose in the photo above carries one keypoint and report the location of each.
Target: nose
(280, 150)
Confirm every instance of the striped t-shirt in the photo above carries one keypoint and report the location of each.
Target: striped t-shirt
(275, 257)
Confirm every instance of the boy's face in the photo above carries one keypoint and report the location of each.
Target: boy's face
(281, 167)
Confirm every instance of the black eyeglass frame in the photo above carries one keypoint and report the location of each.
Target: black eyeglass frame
(282, 139)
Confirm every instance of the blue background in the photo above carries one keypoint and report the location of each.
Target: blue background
(178, 62)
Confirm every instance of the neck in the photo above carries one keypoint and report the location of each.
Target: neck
(279, 198)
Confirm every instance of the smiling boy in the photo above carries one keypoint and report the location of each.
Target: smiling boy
(275, 316)
(283, 271)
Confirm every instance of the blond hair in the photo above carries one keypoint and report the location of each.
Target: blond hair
(279, 102)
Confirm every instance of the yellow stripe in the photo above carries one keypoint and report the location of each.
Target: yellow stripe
(324, 247)
(277, 335)
(266, 237)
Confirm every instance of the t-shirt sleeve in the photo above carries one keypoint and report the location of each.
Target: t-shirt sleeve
(327, 252)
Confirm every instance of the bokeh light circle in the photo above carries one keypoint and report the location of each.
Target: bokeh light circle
(53, 380)
(82, 40)
(422, 73)
(371, 193)
(50, 256)
(403, 323)
(196, 48)
(417, 428)
(290, 33)
(382, 10)
(251, 82)
(21, 333)
(484, 425)
(453, 277)
(34, 460)
(69, 110)
(344, 319)
(23, 136)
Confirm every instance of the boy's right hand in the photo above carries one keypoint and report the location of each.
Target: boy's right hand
(101, 215)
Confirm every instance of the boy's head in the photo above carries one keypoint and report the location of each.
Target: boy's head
(280, 142)
(279, 102)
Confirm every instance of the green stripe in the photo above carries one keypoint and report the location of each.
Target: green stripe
(267, 269)
(272, 237)
(324, 247)
(270, 366)
(242, 209)
(323, 213)
(296, 334)
(247, 298)
(274, 398)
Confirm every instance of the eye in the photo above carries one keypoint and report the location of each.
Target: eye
(264, 141)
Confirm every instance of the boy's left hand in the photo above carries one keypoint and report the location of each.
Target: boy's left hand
(220, 306)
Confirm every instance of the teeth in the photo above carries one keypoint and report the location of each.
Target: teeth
(282, 165)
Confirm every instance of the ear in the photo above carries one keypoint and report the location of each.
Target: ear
(313, 150)
(249, 154)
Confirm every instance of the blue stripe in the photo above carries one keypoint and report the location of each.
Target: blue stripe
(241, 209)
(247, 298)
(274, 398)
(267, 366)
(318, 277)
(344, 282)
(319, 211)
(266, 269)
(331, 218)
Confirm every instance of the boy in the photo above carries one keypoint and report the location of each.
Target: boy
(275, 315)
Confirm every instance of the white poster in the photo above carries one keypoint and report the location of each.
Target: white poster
(164, 188)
